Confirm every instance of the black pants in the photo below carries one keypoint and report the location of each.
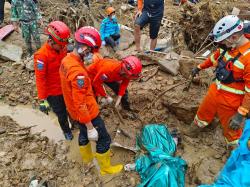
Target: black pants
(115, 86)
(111, 40)
(2, 9)
(58, 106)
(104, 140)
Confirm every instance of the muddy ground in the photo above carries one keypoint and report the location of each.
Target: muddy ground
(24, 153)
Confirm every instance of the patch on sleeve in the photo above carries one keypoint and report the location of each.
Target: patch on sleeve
(80, 81)
(40, 65)
(104, 77)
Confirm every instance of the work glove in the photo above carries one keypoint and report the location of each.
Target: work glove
(92, 134)
(195, 71)
(44, 106)
(106, 100)
(236, 121)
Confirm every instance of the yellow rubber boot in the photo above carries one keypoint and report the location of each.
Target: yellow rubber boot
(104, 164)
(86, 153)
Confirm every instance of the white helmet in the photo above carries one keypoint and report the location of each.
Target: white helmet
(226, 26)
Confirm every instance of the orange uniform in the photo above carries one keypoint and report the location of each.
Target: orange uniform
(47, 62)
(106, 70)
(226, 99)
(77, 90)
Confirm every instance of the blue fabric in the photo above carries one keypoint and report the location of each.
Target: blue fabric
(236, 171)
(109, 27)
(158, 167)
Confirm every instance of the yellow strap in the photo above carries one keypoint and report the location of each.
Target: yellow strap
(237, 63)
(247, 89)
(228, 89)
(235, 142)
(213, 60)
(246, 52)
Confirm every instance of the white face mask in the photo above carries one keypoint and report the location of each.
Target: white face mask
(88, 57)
(234, 44)
(113, 17)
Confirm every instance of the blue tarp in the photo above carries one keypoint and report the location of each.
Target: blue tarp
(157, 166)
(236, 172)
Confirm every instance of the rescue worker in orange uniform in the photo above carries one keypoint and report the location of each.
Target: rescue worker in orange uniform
(116, 75)
(96, 56)
(47, 61)
(229, 95)
(81, 103)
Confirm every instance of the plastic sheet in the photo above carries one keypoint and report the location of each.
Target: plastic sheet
(157, 166)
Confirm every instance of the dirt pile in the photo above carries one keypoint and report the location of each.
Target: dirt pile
(24, 155)
(17, 85)
(197, 21)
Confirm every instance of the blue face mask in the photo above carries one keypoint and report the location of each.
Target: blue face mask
(113, 16)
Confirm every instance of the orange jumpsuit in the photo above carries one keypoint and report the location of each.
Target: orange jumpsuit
(225, 100)
(106, 70)
(77, 90)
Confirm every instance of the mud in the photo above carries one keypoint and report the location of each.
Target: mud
(41, 149)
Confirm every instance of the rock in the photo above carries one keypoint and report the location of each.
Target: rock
(159, 78)
(10, 52)
(29, 63)
(126, 40)
(186, 66)
(170, 66)
(124, 7)
(162, 43)
(186, 53)
(17, 65)
(13, 97)
(132, 181)
(170, 82)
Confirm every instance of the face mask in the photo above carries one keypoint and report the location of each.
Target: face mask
(113, 17)
(234, 44)
(88, 57)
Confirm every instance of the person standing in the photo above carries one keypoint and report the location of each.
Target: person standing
(81, 103)
(148, 12)
(229, 96)
(26, 13)
(47, 61)
(2, 2)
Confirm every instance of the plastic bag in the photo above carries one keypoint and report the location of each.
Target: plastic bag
(158, 167)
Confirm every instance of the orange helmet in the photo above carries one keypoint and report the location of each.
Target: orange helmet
(110, 10)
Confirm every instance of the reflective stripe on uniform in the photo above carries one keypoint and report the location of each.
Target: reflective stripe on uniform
(199, 122)
(232, 143)
(213, 60)
(228, 89)
(247, 89)
(246, 52)
(237, 63)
